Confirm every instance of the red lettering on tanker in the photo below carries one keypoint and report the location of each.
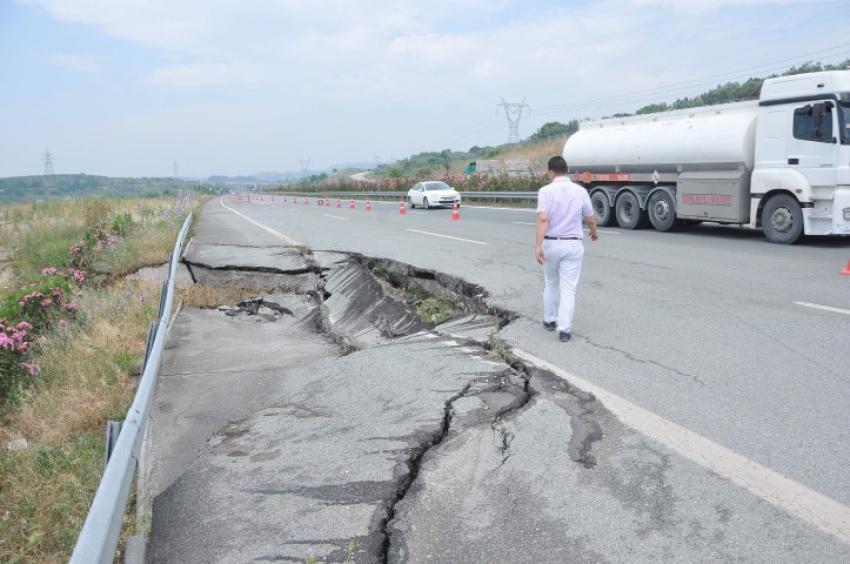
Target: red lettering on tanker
(707, 199)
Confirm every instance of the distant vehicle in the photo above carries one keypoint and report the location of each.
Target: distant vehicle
(431, 194)
(781, 163)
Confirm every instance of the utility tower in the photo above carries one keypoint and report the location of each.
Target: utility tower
(305, 166)
(513, 111)
(47, 159)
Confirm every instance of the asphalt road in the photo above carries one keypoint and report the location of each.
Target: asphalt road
(703, 328)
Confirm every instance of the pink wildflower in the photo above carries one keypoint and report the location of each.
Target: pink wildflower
(48, 271)
(63, 324)
(75, 249)
(23, 326)
(47, 302)
(71, 307)
(31, 368)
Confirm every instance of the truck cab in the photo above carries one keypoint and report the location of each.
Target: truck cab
(803, 151)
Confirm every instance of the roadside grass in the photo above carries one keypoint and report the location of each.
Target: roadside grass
(51, 432)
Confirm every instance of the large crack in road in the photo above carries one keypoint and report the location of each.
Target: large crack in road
(306, 412)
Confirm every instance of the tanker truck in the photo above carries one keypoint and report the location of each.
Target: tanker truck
(780, 163)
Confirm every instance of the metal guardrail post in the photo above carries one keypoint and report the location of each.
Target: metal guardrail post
(99, 535)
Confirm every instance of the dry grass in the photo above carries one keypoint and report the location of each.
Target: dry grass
(538, 154)
(88, 376)
(88, 371)
(198, 295)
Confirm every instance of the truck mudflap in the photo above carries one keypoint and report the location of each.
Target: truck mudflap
(829, 217)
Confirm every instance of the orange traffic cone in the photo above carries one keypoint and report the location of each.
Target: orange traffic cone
(327, 202)
(401, 210)
(846, 269)
(352, 205)
(306, 201)
(455, 212)
(368, 205)
(338, 203)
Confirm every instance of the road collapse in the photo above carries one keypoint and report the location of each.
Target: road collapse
(305, 409)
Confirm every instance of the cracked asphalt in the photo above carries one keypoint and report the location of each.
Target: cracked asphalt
(349, 431)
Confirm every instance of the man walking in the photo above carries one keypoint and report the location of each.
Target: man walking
(561, 206)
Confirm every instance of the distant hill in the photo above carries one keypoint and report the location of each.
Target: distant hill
(17, 188)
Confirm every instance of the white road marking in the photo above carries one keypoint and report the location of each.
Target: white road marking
(335, 216)
(523, 223)
(447, 237)
(812, 507)
(278, 234)
(823, 307)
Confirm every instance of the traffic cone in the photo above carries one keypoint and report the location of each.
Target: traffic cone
(327, 202)
(338, 203)
(401, 210)
(306, 201)
(846, 269)
(368, 205)
(455, 212)
(284, 199)
(352, 205)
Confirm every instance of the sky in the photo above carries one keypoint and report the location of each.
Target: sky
(129, 87)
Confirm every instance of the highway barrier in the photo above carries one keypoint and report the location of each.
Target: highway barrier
(99, 536)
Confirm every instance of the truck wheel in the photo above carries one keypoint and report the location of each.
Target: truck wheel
(602, 209)
(629, 214)
(662, 211)
(782, 220)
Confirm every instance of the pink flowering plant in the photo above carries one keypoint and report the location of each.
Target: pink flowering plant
(25, 316)
(97, 239)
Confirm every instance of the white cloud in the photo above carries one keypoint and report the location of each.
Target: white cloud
(702, 6)
(74, 61)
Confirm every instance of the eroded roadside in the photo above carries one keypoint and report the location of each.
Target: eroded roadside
(307, 412)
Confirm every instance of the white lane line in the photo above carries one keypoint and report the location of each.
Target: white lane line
(335, 216)
(812, 507)
(523, 223)
(447, 237)
(278, 234)
(823, 307)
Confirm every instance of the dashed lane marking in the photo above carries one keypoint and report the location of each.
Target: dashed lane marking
(447, 237)
(823, 307)
(288, 240)
(812, 507)
(524, 223)
(335, 216)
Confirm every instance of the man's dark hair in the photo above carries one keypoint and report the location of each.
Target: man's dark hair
(558, 165)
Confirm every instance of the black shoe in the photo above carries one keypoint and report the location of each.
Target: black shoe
(563, 336)
(549, 326)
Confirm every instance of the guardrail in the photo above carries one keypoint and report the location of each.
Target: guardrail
(402, 194)
(99, 536)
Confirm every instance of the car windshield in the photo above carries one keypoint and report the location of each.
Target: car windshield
(432, 186)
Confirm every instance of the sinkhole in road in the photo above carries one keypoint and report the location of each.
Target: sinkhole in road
(401, 362)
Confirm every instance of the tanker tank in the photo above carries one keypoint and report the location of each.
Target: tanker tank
(718, 137)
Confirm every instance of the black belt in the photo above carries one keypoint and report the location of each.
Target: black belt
(562, 238)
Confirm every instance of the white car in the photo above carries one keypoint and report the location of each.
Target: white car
(432, 193)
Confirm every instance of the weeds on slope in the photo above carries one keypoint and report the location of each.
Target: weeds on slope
(83, 361)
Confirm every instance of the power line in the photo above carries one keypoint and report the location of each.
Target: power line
(47, 159)
(513, 111)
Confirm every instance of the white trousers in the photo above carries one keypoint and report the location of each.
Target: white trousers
(561, 269)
